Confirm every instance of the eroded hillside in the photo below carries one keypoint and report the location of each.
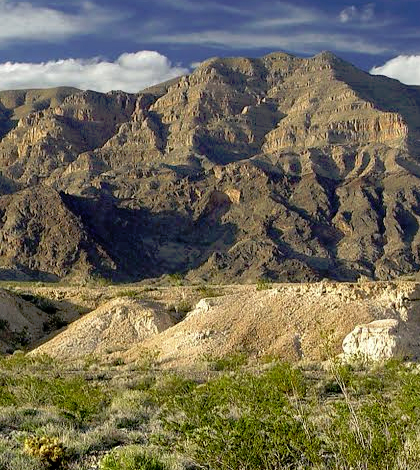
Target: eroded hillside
(181, 326)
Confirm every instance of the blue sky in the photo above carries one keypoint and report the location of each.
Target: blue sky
(130, 44)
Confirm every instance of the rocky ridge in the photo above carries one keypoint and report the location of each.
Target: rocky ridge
(281, 167)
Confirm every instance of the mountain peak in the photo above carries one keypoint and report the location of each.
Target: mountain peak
(327, 56)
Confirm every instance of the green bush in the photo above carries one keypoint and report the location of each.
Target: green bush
(209, 292)
(43, 303)
(131, 458)
(176, 279)
(73, 396)
(368, 436)
(229, 362)
(171, 387)
(246, 421)
(264, 284)
(134, 294)
(262, 416)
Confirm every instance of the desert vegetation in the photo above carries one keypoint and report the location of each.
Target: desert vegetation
(226, 414)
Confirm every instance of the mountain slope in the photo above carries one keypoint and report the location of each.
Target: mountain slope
(291, 168)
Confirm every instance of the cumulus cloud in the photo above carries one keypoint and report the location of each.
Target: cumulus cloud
(22, 21)
(354, 14)
(131, 72)
(404, 68)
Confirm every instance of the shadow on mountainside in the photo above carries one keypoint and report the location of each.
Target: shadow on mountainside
(144, 244)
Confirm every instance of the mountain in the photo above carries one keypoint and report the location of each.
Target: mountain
(282, 167)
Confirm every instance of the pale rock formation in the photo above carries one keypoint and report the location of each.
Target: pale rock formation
(113, 327)
(397, 337)
(378, 340)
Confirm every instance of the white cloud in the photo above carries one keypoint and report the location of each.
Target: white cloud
(279, 25)
(193, 6)
(23, 21)
(286, 14)
(404, 68)
(299, 42)
(348, 14)
(354, 14)
(131, 72)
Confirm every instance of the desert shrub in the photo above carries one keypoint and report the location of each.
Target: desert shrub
(117, 361)
(145, 382)
(20, 362)
(134, 294)
(367, 435)
(262, 416)
(76, 398)
(33, 420)
(131, 458)
(206, 291)
(53, 323)
(43, 303)
(100, 438)
(171, 387)
(6, 397)
(176, 279)
(246, 421)
(11, 460)
(49, 450)
(408, 395)
(146, 360)
(264, 283)
(227, 362)
(97, 280)
(130, 409)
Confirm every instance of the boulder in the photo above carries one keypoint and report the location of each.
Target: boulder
(379, 340)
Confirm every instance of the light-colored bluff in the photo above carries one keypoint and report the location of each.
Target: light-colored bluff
(308, 322)
(282, 167)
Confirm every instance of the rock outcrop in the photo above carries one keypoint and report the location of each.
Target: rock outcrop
(379, 340)
(282, 167)
(396, 337)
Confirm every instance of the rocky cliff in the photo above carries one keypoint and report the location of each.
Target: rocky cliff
(282, 167)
